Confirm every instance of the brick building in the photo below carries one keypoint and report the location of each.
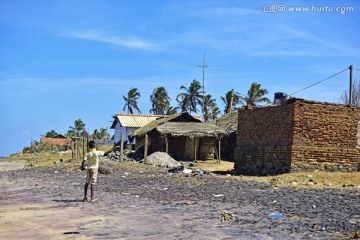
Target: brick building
(297, 134)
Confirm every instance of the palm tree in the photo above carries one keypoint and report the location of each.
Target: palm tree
(191, 97)
(255, 95)
(160, 101)
(131, 100)
(171, 110)
(231, 100)
(215, 111)
(208, 104)
(79, 127)
(183, 101)
(102, 134)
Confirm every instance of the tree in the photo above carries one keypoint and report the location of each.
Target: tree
(160, 101)
(183, 101)
(231, 100)
(355, 92)
(171, 110)
(51, 134)
(255, 95)
(208, 104)
(131, 100)
(215, 111)
(102, 134)
(191, 97)
(79, 127)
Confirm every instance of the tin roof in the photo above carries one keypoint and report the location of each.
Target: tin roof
(134, 120)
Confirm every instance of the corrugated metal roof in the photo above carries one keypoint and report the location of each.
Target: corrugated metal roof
(137, 121)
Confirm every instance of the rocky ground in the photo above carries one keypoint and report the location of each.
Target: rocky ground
(144, 202)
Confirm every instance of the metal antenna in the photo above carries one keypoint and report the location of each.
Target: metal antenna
(203, 66)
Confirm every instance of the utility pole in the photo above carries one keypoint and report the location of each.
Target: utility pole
(203, 66)
(351, 95)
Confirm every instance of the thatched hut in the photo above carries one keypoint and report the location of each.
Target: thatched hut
(182, 136)
(229, 123)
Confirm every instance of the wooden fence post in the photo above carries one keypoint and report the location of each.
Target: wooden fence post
(166, 144)
(146, 147)
(219, 150)
(122, 147)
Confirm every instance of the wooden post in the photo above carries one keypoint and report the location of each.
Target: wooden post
(87, 142)
(72, 150)
(219, 150)
(195, 148)
(146, 147)
(166, 144)
(121, 147)
(76, 152)
(83, 142)
(351, 95)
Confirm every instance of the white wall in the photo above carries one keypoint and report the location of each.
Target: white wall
(126, 131)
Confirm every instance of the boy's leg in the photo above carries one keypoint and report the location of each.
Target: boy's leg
(93, 182)
(92, 191)
(86, 186)
(85, 192)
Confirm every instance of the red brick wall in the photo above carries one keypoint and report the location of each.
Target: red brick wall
(271, 139)
(325, 133)
(56, 141)
(264, 139)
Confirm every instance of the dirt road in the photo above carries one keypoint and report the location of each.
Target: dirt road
(149, 203)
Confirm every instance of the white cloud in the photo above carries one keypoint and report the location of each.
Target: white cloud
(97, 36)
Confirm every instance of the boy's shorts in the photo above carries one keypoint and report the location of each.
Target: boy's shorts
(91, 175)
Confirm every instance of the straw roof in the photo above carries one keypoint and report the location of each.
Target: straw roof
(190, 129)
(227, 122)
(179, 117)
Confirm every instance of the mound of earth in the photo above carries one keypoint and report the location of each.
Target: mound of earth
(161, 159)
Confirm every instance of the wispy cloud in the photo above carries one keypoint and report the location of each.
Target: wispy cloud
(97, 36)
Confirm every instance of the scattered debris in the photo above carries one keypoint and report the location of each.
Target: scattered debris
(218, 195)
(227, 216)
(276, 215)
(71, 232)
(187, 171)
(176, 169)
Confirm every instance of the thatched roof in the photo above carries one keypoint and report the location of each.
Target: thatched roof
(179, 117)
(190, 129)
(228, 122)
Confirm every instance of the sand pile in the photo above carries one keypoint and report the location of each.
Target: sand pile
(161, 159)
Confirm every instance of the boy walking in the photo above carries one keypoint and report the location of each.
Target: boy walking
(92, 158)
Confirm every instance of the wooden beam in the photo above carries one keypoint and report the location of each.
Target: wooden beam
(219, 150)
(146, 147)
(122, 147)
(195, 148)
(166, 144)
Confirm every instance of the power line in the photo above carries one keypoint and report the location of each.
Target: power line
(356, 69)
(319, 81)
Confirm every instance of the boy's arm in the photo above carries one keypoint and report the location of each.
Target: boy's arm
(83, 164)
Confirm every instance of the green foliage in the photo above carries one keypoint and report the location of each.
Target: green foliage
(191, 98)
(160, 101)
(231, 100)
(131, 100)
(102, 134)
(256, 95)
(51, 134)
(78, 128)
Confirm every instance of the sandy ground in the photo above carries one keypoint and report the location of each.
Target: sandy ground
(152, 204)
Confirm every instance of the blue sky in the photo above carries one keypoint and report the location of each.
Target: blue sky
(65, 60)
